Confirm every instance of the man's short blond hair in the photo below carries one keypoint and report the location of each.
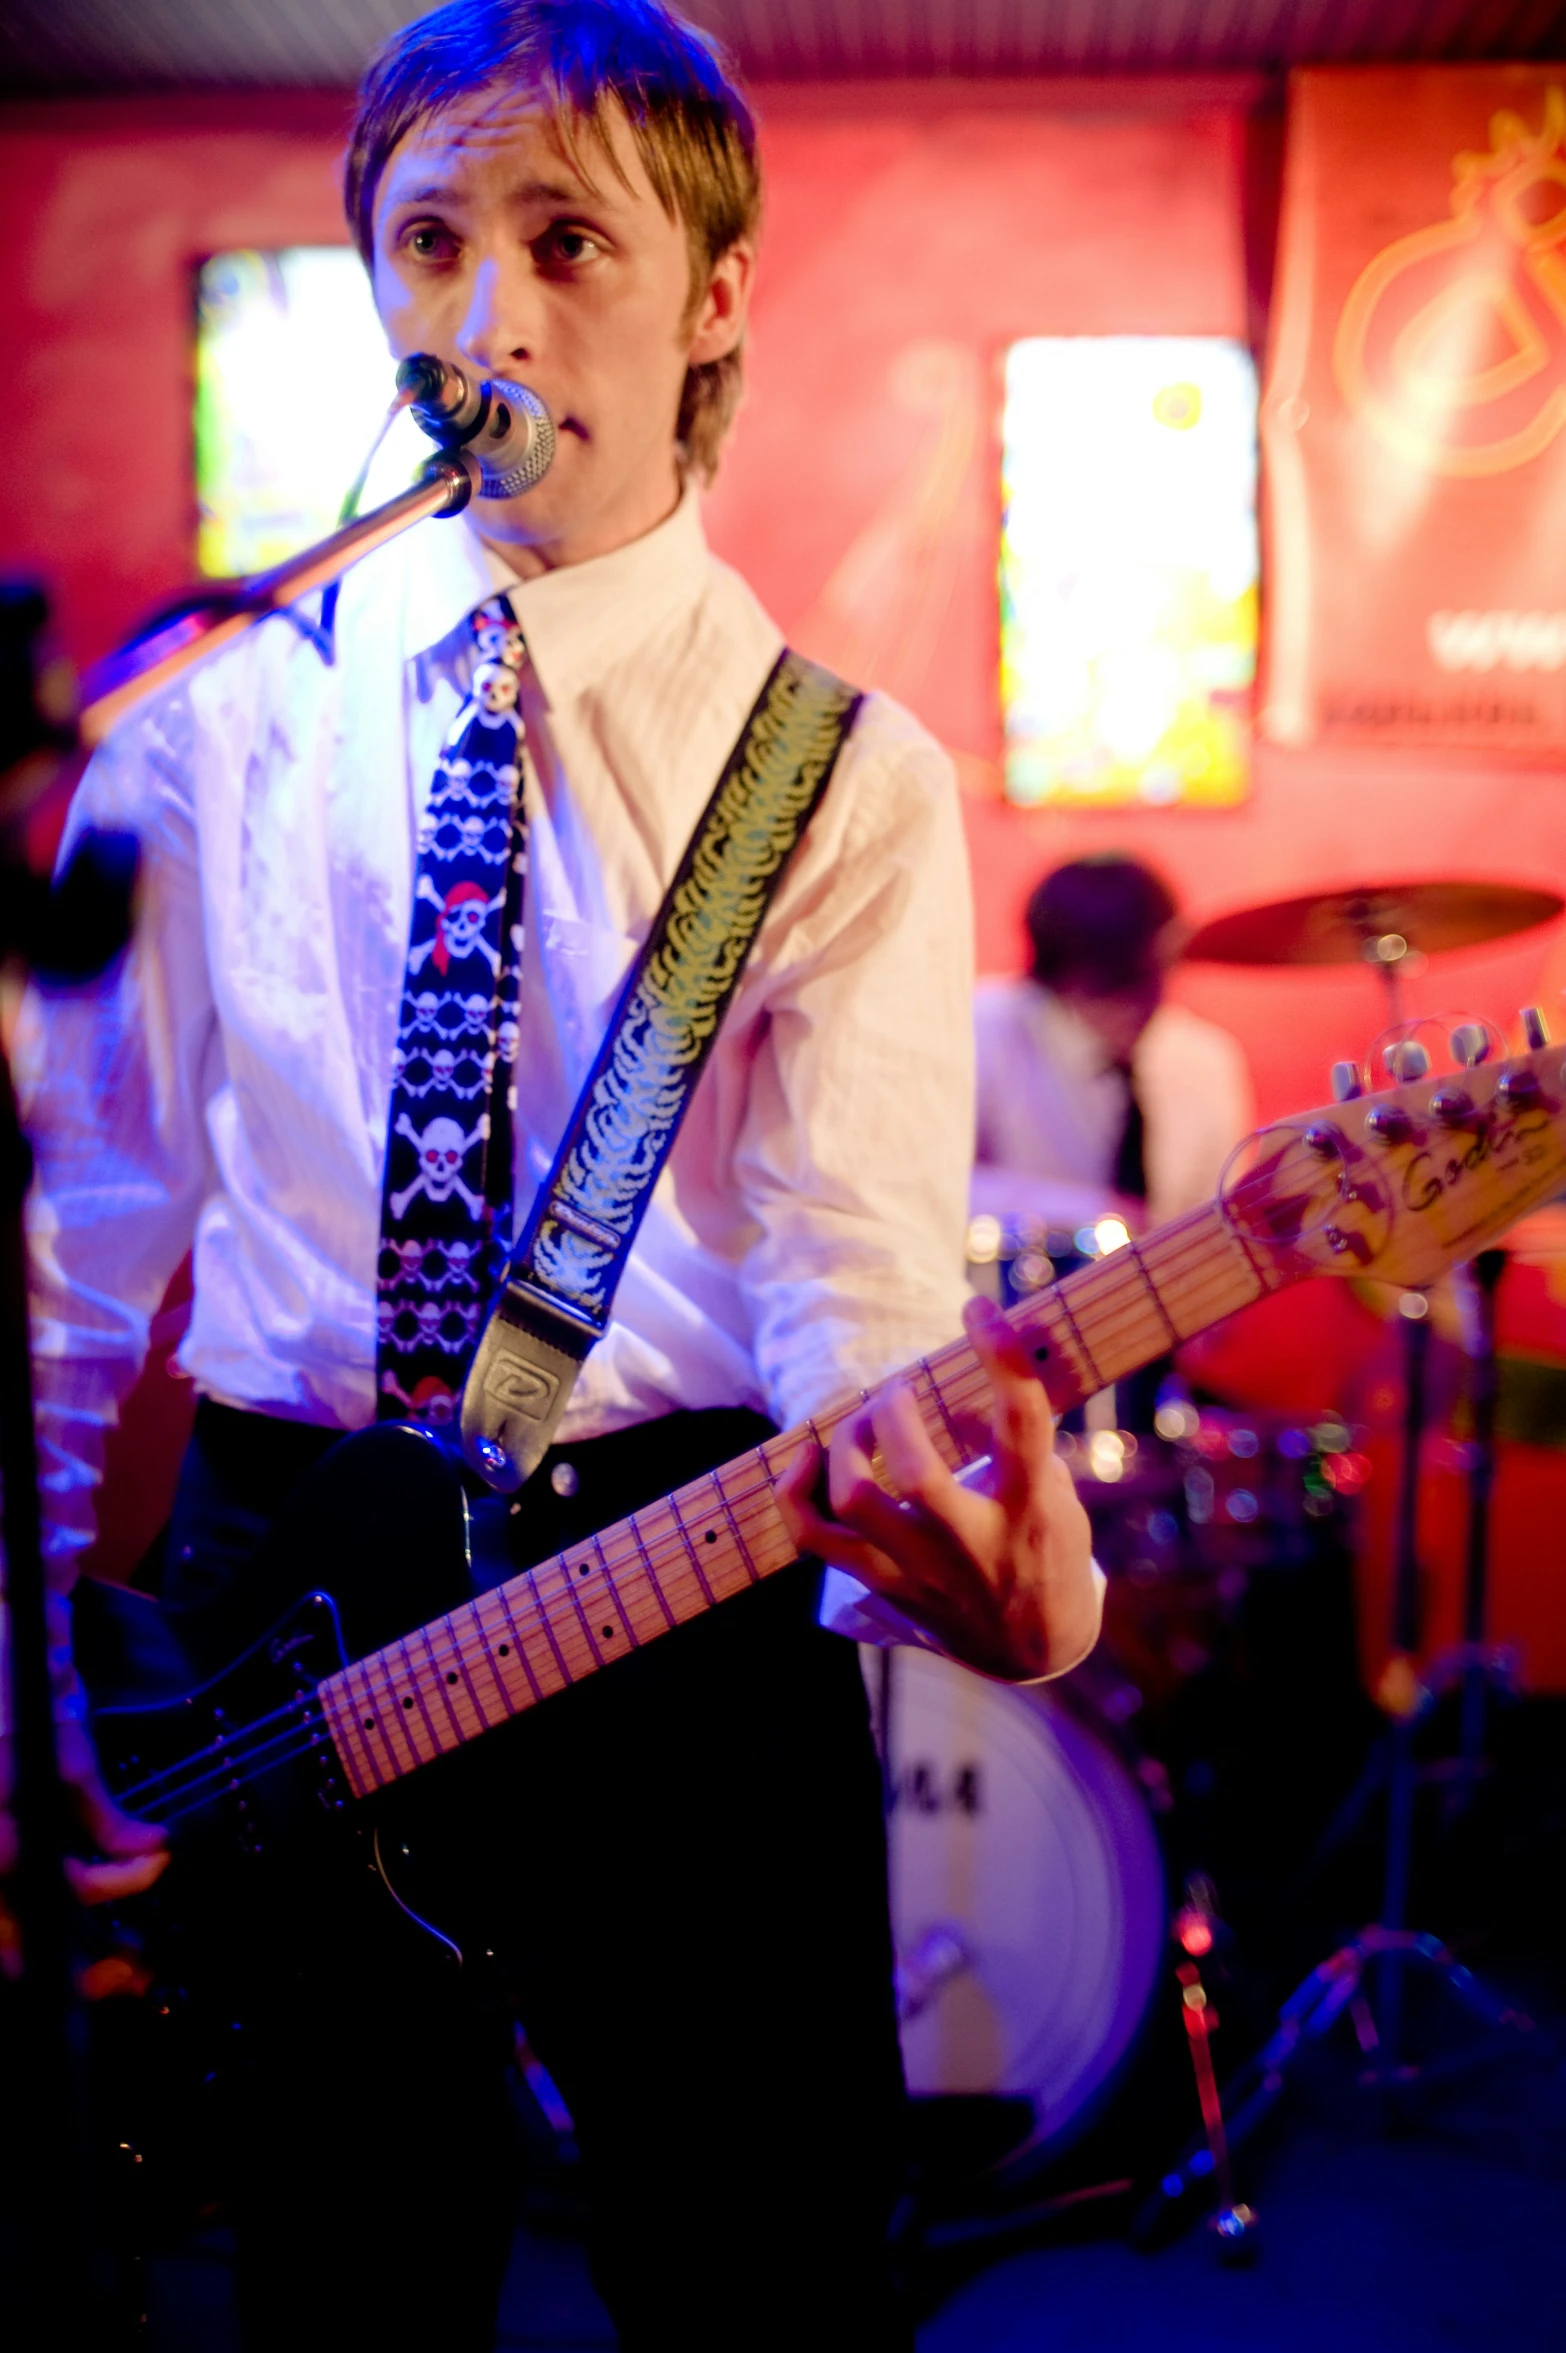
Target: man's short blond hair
(589, 60)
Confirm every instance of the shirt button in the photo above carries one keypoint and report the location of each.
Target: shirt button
(563, 1479)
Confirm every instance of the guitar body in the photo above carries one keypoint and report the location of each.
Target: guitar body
(205, 1719)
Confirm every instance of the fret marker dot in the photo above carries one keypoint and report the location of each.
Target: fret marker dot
(408, 1704)
(712, 1535)
(505, 1650)
(369, 1723)
(608, 1634)
(451, 1678)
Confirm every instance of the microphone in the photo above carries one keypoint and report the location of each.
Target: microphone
(507, 428)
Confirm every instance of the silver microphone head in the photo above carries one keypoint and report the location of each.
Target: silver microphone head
(515, 445)
(507, 428)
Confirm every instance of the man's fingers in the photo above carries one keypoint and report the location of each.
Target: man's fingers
(111, 1882)
(1024, 1424)
(804, 1520)
(847, 1543)
(997, 1343)
(914, 1469)
(117, 1832)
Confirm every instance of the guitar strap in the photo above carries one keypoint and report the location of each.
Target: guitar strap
(558, 1289)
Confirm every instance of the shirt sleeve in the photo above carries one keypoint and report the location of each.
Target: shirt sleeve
(854, 1152)
(113, 1080)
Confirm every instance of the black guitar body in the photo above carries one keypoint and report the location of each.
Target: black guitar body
(205, 1719)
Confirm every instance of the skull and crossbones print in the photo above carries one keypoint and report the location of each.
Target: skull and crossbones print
(442, 1148)
(439, 1257)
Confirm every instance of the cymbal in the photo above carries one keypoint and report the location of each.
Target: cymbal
(1341, 927)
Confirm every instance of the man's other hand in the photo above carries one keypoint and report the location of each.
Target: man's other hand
(130, 1855)
(998, 1568)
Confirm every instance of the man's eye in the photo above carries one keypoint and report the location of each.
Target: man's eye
(571, 246)
(428, 241)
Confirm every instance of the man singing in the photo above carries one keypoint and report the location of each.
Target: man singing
(563, 192)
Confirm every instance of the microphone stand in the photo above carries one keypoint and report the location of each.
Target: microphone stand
(214, 617)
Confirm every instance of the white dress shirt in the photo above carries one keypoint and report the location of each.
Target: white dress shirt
(228, 1090)
(1052, 1108)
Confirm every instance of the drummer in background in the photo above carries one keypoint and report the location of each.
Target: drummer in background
(1097, 1098)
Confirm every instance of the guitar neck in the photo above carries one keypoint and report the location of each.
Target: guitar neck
(463, 1674)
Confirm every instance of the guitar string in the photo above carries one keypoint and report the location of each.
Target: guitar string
(230, 1771)
(214, 1749)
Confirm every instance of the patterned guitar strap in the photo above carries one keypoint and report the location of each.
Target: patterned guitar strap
(448, 1189)
(445, 1206)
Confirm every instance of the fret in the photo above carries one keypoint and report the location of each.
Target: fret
(415, 1692)
(1132, 1322)
(631, 1634)
(652, 1574)
(368, 1710)
(673, 1502)
(576, 1603)
(768, 1545)
(541, 1613)
(454, 1636)
(474, 1612)
(1268, 1278)
(502, 1594)
(459, 1733)
(394, 1709)
(358, 1765)
(947, 1423)
(1095, 1377)
(751, 1570)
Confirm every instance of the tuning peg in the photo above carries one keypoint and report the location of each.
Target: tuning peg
(1347, 1085)
(1533, 1028)
(1470, 1044)
(1407, 1059)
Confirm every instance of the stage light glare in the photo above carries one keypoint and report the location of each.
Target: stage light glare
(1107, 1456)
(1195, 1932)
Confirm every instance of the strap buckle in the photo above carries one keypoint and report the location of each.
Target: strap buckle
(521, 1382)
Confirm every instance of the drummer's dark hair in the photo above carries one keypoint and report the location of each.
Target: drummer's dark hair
(1096, 923)
(589, 61)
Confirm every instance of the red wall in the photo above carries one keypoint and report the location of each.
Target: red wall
(912, 233)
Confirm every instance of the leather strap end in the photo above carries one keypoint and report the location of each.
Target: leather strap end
(518, 1389)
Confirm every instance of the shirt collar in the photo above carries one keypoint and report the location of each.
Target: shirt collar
(578, 620)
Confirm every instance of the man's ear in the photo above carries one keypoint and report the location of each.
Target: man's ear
(722, 309)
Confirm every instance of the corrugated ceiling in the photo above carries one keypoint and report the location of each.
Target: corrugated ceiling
(56, 46)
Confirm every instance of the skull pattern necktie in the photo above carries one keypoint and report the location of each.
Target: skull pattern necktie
(446, 1201)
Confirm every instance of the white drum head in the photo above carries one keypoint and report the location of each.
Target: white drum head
(1028, 1899)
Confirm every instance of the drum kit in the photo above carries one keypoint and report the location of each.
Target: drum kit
(1036, 1836)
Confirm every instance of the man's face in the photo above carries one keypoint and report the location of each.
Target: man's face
(493, 250)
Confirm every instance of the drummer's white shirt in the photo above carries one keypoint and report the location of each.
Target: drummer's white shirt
(1052, 1109)
(229, 1089)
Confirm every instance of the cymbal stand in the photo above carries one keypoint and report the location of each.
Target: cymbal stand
(1377, 1959)
(1477, 1667)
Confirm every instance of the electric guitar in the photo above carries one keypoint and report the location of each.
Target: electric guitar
(376, 1640)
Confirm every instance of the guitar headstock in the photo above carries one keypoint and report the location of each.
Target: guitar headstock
(1400, 1184)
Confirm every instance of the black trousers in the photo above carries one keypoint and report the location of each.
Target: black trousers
(689, 1858)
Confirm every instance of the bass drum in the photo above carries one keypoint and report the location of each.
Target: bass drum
(1028, 1895)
